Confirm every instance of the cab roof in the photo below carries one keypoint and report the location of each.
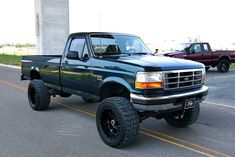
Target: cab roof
(101, 33)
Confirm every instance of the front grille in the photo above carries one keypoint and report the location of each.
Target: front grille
(182, 78)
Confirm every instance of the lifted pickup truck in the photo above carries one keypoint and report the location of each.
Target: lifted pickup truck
(202, 52)
(119, 71)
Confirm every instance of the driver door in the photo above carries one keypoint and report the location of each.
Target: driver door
(195, 53)
(75, 71)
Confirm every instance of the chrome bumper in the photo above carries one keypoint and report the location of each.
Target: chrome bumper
(166, 106)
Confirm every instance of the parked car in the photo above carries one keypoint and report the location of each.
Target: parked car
(128, 81)
(201, 52)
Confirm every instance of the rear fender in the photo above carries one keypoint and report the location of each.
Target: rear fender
(34, 73)
(224, 57)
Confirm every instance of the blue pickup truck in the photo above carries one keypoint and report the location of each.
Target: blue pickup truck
(119, 72)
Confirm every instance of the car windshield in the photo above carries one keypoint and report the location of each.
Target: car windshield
(104, 44)
(181, 47)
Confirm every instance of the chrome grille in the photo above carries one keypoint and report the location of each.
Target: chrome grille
(182, 78)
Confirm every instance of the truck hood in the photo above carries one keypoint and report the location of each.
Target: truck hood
(159, 63)
(174, 53)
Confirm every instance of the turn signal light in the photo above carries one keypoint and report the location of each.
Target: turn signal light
(148, 85)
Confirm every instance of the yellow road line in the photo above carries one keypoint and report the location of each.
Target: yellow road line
(186, 142)
(74, 108)
(13, 85)
(177, 144)
(53, 99)
(143, 130)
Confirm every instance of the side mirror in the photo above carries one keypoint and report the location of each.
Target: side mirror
(85, 57)
(72, 55)
(156, 51)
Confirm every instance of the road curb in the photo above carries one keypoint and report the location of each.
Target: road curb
(10, 66)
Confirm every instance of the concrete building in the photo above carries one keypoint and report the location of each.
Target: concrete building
(52, 25)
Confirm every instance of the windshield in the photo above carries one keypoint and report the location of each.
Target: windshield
(181, 47)
(104, 44)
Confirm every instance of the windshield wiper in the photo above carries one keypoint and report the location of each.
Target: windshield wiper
(140, 53)
(109, 54)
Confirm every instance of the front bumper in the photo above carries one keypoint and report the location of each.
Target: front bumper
(169, 102)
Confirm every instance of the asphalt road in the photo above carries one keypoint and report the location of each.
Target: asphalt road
(68, 128)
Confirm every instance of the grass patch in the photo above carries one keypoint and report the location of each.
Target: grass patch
(232, 66)
(10, 59)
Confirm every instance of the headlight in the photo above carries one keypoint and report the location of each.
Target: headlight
(148, 80)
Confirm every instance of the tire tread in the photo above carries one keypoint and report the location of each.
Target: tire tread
(42, 91)
(190, 117)
(130, 119)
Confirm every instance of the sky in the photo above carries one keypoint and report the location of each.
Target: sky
(155, 21)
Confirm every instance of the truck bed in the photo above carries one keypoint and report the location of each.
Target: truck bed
(40, 58)
(218, 54)
(47, 65)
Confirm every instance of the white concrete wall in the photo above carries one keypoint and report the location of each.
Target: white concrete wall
(52, 25)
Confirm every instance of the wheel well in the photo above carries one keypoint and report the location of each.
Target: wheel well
(114, 89)
(224, 57)
(34, 75)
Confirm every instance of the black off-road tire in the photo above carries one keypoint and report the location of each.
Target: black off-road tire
(183, 118)
(125, 118)
(38, 96)
(223, 65)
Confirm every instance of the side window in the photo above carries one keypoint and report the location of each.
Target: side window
(77, 44)
(205, 46)
(196, 48)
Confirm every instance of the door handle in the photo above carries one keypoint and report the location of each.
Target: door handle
(66, 62)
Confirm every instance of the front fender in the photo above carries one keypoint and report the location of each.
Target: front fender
(118, 80)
